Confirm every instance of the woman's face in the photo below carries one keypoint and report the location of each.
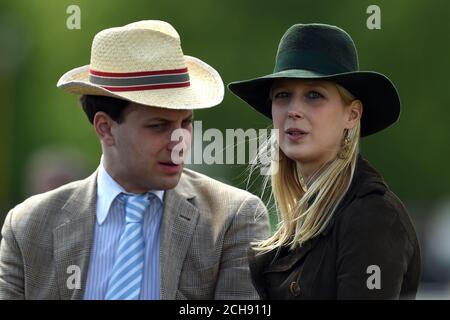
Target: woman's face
(311, 118)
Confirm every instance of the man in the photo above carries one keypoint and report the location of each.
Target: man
(140, 227)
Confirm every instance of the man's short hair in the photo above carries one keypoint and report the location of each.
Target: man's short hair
(113, 107)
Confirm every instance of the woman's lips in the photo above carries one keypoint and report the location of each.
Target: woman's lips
(295, 134)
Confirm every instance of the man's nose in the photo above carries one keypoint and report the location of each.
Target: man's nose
(179, 136)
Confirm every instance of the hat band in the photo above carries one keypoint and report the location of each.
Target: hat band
(314, 61)
(136, 81)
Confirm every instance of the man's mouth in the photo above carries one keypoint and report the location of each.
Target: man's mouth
(169, 167)
(170, 164)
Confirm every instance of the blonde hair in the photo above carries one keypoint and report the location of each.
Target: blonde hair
(305, 208)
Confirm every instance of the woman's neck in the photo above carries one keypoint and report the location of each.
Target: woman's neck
(308, 169)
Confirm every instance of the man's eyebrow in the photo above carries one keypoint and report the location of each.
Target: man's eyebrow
(158, 119)
(189, 117)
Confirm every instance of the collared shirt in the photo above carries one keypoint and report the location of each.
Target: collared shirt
(110, 223)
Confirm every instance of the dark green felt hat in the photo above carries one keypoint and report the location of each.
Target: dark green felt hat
(325, 52)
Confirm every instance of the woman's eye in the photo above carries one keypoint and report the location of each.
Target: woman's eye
(281, 95)
(314, 95)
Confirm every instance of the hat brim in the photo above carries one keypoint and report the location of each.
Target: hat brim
(206, 88)
(381, 102)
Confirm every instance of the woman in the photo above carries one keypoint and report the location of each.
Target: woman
(342, 234)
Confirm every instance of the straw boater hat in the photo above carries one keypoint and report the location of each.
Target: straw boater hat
(325, 52)
(143, 62)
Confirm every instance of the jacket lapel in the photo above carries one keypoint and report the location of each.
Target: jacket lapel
(289, 260)
(73, 240)
(179, 220)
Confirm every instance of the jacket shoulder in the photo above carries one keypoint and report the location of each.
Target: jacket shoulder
(199, 184)
(218, 199)
(377, 214)
(40, 209)
(372, 206)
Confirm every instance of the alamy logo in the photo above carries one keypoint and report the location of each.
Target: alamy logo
(74, 280)
(74, 20)
(214, 147)
(374, 20)
(374, 280)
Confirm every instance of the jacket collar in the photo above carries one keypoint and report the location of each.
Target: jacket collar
(366, 180)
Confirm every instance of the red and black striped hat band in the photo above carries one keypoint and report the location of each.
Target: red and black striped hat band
(145, 80)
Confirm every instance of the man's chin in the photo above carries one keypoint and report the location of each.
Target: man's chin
(168, 182)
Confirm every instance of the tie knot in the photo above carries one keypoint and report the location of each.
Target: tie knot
(135, 206)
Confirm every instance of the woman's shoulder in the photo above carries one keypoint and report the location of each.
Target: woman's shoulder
(375, 206)
(371, 207)
(377, 215)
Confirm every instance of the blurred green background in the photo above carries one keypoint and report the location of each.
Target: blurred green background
(239, 38)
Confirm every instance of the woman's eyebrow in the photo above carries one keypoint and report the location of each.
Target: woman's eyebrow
(279, 88)
(316, 85)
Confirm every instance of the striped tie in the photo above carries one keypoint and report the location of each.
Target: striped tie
(128, 269)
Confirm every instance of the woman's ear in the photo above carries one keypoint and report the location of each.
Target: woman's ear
(355, 110)
(103, 128)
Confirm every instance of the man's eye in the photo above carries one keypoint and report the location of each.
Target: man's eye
(187, 123)
(156, 126)
(314, 95)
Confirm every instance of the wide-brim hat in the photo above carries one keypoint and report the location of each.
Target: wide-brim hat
(325, 52)
(143, 62)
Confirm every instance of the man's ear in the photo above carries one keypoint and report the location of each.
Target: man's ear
(355, 110)
(103, 127)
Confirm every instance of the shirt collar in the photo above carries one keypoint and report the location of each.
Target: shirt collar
(107, 190)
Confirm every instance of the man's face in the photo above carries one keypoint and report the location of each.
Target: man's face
(139, 158)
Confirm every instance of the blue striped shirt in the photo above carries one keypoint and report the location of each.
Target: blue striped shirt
(110, 223)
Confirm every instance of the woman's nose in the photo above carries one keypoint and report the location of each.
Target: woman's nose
(295, 108)
(293, 114)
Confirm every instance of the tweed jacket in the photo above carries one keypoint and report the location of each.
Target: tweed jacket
(205, 231)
